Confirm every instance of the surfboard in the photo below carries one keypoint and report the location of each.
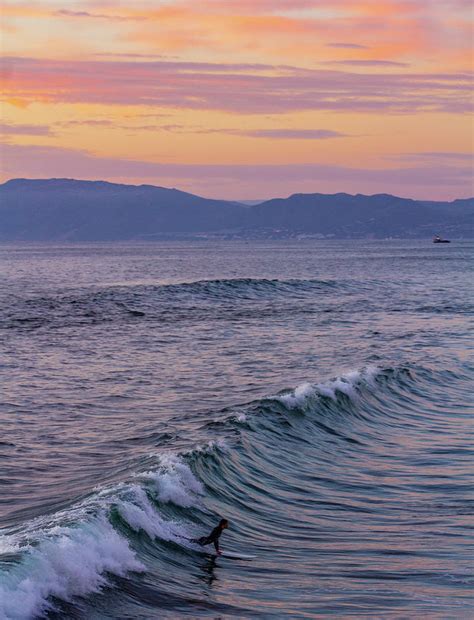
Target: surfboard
(237, 556)
(228, 554)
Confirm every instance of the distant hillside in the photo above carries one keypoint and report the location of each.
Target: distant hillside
(66, 209)
(71, 210)
(379, 216)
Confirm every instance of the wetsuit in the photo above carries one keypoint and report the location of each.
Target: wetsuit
(212, 538)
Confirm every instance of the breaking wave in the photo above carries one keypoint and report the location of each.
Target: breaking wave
(279, 448)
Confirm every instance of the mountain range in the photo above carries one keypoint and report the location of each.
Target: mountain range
(73, 210)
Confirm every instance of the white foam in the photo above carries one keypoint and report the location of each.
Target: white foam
(299, 396)
(62, 560)
(347, 384)
(9, 544)
(53, 524)
(175, 482)
(140, 515)
(210, 446)
(74, 563)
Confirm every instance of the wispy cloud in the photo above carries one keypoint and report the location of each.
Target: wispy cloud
(148, 76)
(88, 15)
(271, 134)
(131, 55)
(368, 63)
(238, 88)
(25, 130)
(430, 181)
(89, 122)
(288, 134)
(280, 29)
(353, 46)
(430, 156)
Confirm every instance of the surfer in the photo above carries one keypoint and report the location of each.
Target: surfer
(213, 536)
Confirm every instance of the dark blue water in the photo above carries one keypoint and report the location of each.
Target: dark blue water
(317, 394)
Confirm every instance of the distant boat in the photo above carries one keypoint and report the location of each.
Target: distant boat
(438, 239)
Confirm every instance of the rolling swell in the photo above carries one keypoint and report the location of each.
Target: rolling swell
(242, 288)
(324, 469)
(201, 300)
(165, 302)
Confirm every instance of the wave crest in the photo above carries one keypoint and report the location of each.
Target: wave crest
(348, 384)
(73, 563)
(174, 482)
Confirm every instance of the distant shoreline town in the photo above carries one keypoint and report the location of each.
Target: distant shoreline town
(74, 210)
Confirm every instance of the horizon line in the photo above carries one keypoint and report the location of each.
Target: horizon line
(241, 201)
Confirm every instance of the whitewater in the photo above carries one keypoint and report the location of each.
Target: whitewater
(318, 394)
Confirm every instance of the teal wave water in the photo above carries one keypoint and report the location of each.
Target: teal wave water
(318, 395)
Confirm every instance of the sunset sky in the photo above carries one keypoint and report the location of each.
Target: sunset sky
(241, 99)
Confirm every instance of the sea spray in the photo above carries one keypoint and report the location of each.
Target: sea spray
(348, 384)
(174, 482)
(263, 481)
(75, 562)
(356, 504)
(140, 515)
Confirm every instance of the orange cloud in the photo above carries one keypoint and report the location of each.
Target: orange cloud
(380, 70)
(236, 88)
(17, 102)
(390, 29)
(276, 31)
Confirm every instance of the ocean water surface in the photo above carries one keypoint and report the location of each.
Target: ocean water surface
(318, 394)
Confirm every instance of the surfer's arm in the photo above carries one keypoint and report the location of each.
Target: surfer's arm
(216, 545)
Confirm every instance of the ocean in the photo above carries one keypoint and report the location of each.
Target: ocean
(317, 394)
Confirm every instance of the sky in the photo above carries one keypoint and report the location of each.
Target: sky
(241, 99)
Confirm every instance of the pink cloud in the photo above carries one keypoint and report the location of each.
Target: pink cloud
(354, 46)
(429, 181)
(87, 15)
(272, 134)
(290, 134)
(90, 122)
(25, 130)
(368, 63)
(239, 88)
(440, 156)
(278, 133)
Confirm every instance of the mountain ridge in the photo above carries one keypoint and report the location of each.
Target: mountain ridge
(76, 210)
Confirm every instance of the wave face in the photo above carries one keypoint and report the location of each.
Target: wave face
(197, 300)
(125, 439)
